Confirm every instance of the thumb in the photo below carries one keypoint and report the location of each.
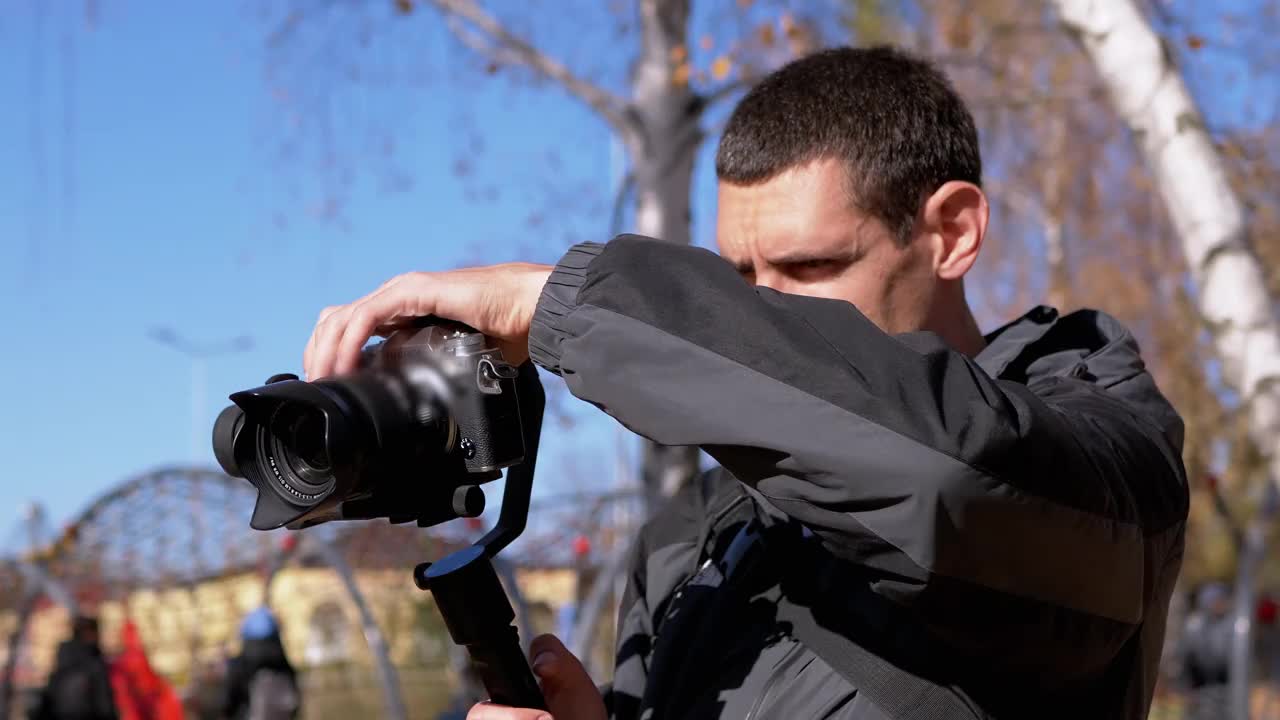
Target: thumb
(568, 689)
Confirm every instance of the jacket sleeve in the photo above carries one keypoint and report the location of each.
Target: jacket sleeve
(903, 456)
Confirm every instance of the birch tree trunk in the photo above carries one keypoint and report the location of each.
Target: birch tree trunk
(1232, 298)
(1231, 293)
(662, 138)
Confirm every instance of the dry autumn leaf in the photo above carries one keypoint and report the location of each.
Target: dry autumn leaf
(681, 75)
(766, 35)
(721, 67)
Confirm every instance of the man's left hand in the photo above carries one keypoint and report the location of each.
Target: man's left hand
(567, 688)
(498, 300)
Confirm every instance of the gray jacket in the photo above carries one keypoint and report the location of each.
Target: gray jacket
(1007, 527)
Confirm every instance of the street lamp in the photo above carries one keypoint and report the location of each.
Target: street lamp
(198, 354)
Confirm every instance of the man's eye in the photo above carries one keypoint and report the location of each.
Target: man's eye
(815, 269)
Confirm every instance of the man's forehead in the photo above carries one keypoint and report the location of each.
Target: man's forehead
(786, 243)
(803, 213)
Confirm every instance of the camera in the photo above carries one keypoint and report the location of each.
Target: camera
(431, 413)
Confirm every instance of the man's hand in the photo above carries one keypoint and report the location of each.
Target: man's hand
(498, 300)
(568, 690)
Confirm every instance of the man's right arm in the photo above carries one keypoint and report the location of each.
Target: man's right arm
(902, 455)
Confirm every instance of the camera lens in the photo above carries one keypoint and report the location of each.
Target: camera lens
(297, 453)
(304, 431)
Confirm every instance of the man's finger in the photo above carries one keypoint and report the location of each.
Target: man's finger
(309, 352)
(489, 711)
(570, 692)
(336, 345)
(359, 328)
(325, 313)
(366, 316)
(327, 334)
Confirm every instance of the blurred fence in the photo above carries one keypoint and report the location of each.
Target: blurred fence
(171, 551)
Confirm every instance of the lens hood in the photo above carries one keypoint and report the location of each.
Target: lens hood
(285, 496)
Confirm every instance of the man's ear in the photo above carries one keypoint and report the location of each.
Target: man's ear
(955, 215)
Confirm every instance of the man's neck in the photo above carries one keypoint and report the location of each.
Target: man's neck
(953, 321)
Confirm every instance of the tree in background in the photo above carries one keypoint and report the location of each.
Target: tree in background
(668, 84)
(1231, 285)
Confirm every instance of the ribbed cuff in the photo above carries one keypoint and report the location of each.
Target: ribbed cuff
(559, 298)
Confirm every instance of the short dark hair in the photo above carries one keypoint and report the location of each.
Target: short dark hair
(893, 119)
(84, 627)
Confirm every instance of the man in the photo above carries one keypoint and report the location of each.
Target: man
(79, 687)
(915, 520)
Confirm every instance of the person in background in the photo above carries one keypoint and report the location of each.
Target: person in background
(261, 683)
(140, 692)
(1206, 652)
(79, 687)
(1207, 637)
(203, 696)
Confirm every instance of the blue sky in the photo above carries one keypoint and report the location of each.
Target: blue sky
(142, 186)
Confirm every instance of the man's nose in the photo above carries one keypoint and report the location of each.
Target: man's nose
(772, 279)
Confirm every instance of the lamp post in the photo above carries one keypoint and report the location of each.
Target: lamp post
(199, 355)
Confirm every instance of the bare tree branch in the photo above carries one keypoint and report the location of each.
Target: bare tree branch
(286, 29)
(481, 43)
(506, 47)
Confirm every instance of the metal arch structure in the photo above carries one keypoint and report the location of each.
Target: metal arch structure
(17, 593)
(378, 543)
(24, 580)
(170, 527)
(327, 554)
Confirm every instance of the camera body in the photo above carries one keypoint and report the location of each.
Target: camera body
(431, 413)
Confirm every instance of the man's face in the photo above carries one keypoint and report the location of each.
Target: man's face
(799, 233)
